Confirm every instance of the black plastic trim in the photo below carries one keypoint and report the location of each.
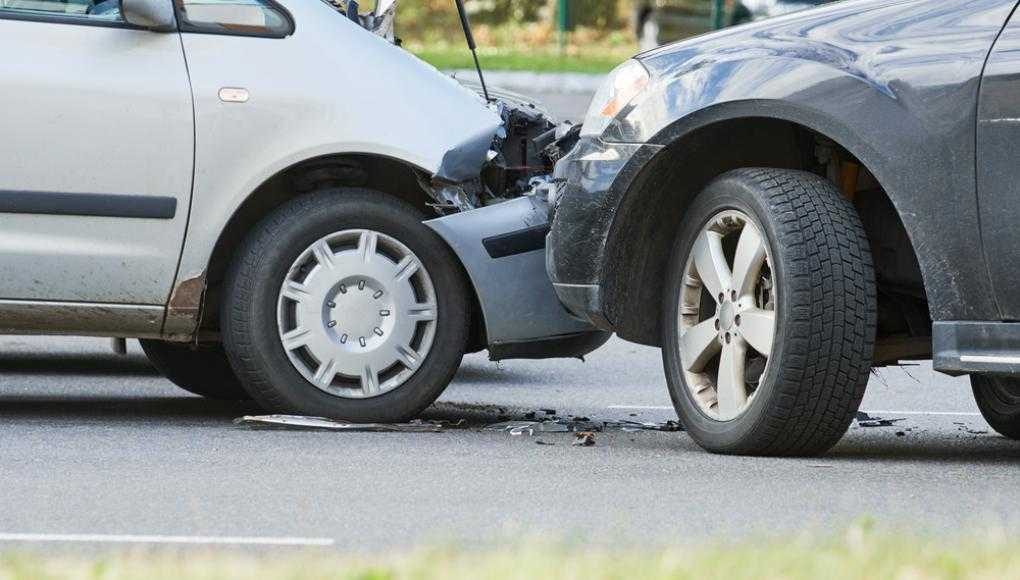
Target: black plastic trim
(519, 242)
(88, 204)
(72, 20)
(566, 346)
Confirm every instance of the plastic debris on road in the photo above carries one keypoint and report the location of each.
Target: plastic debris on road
(866, 420)
(297, 422)
(577, 425)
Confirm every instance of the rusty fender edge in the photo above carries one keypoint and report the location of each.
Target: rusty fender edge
(184, 309)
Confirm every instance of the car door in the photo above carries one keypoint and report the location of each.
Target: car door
(998, 167)
(96, 156)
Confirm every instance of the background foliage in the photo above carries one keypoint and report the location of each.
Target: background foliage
(519, 34)
(427, 20)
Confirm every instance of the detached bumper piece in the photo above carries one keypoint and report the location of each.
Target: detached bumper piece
(962, 348)
(502, 248)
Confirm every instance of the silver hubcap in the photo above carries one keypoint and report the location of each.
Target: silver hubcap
(727, 315)
(357, 314)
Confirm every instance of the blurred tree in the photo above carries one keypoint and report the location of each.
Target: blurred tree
(602, 14)
(502, 11)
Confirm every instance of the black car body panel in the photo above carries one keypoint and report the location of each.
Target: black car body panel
(894, 82)
(998, 183)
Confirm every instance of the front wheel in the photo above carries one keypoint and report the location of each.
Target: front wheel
(769, 315)
(998, 399)
(343, 304)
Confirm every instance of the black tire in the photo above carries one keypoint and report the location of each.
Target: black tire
(825, 315)
(202, 370)
(998, 398)
(249, 320)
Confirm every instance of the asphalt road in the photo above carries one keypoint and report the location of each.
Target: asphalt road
(95, 444)
(98, 450)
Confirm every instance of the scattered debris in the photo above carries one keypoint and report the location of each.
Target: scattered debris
(584, 439)
(901, 434)
(298, 422)
(966, 429)
(530, 426)
(866, 420)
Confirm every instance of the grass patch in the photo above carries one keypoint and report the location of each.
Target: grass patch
(526, 47)
(858, 553)
(538, 59)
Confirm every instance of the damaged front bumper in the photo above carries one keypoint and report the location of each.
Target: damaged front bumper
(492, 192)
(592, 181)
(502, 247)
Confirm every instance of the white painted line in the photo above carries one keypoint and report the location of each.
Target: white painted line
(142, 539)
(933, 413)
(643, 407)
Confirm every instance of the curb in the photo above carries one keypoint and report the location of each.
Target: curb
(536, 82)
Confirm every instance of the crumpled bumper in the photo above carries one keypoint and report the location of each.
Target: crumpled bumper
(502, 249)
(593, 179)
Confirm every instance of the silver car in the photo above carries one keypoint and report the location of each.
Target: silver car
(278, 202)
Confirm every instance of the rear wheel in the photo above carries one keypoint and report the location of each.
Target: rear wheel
(769, 314)
(200, 369)
(998, 398)
(344, 304)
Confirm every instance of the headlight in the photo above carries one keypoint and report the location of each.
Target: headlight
(624, 84)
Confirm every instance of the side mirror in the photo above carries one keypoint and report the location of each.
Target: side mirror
(156, 15)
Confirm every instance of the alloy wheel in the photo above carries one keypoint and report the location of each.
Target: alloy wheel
(727, 315)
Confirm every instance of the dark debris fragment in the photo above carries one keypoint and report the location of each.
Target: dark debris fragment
(866, 420)
(530, 426)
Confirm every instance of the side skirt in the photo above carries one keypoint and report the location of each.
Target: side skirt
(80, 319)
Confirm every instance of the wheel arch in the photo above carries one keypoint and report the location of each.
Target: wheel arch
(696, 150)
(387, 175)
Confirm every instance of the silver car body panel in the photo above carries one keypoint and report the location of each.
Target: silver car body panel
(95, 110)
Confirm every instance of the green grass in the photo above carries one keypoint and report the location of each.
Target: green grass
(540, 59)
(858, 553)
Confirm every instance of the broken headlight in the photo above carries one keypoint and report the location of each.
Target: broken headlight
(624, 85)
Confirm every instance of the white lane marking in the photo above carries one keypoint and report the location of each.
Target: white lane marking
(933, 413)
(643, 407)
(144, 539)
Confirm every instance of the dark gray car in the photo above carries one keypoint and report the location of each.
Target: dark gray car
(785, 205)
